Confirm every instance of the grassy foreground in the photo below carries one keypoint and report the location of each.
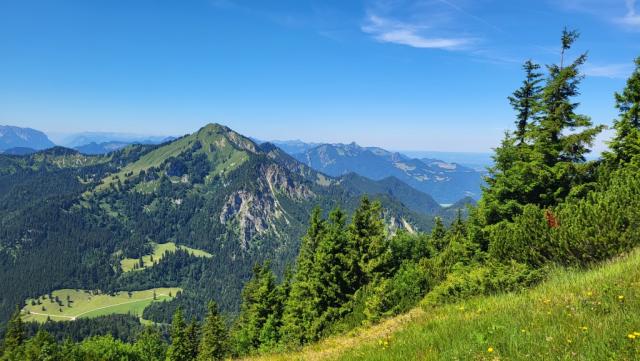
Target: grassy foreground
(86, 304)
(159, 250)
(592, 315)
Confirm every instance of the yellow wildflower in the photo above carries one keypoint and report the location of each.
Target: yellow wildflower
(631, 336)
(621, 298)
(589, 293)
(637, 334)
(490, 350)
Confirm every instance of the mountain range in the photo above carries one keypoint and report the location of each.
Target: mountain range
(16, 137)
(213, 190)
(446, 182)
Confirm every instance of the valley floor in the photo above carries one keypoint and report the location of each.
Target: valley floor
(577, 315)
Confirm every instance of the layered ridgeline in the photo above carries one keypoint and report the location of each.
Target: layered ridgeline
(446, 182)
(71, 221)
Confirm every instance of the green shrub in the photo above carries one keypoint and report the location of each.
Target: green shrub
(491, 278)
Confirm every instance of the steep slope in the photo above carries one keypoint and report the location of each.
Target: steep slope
(578, 315)
(14, 137)
(445, 182)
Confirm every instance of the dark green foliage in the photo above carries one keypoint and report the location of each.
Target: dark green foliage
(491, 278)
(15, 335)
(121, 327)
(526, 100)
(544, 163)
(181, 348)
(150, 345)
(214, 341)
(261, 311)
(625, 145)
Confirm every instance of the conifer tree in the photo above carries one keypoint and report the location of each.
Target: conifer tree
(368, 242)
(300, 307)
(193, 338)
(180, 349)
(625, 145)
(15, 334)
(526, 100)
(150, 345)
(214, 339)
(333, 273)
(260, 300)
(545, 171)
(438, 234)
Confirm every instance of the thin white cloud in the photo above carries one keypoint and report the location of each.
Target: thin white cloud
(611, 71)
(415, 35)
(631, 18)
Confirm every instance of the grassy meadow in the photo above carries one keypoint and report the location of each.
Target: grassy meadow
(159, 250)
(75, 304)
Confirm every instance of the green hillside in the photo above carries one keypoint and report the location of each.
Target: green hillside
(582, 315)
(159, 252)
(69, 305)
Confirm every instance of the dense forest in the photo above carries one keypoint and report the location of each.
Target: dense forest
(544, 205)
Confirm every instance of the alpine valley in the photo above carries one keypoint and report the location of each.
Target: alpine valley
(214, 191)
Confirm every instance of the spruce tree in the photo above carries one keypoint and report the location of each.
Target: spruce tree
(332, 273)
(300, 307)
(368, 243)
(438, 234)
(526, 100)
(15, 334)
(193, 339)
(214, 340)
(180, 349)
(625, 145)
(149, 345)
(260, 300)
(551, 164)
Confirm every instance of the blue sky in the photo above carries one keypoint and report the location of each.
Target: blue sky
(401, 74)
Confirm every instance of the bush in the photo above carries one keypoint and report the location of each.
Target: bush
(526, 240)
(488, 279)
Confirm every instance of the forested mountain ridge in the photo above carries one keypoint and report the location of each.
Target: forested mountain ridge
(213, 190)
(446, 182)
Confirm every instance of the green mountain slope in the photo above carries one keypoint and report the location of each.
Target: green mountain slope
(581, 315)
(214, 190)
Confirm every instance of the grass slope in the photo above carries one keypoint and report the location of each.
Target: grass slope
(159, 250)
(592, 315)
(222, 146)
(87, 305)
